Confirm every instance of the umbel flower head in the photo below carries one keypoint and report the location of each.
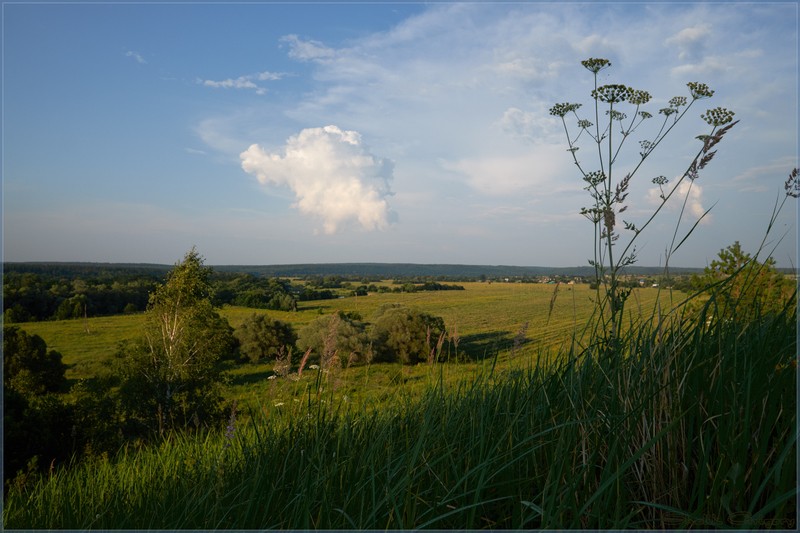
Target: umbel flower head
(639, 97)
(677, 101)
(560, 110)
(699, 90)
(616, 115)
(595, 64)
(612, 94)
(718, 116)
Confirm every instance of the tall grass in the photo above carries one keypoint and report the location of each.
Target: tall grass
(692, 424)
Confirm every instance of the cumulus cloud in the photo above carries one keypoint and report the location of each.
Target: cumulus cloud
(332, 174)
(694, 202)
(244, 82)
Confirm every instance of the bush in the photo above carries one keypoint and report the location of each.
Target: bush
(741, 287)
(335, 336)
(404, 334)
(28, 367)
(261, 337)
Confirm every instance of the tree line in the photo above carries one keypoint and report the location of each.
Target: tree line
(35, 293)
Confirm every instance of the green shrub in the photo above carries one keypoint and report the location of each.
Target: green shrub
(261, 337)
(404, 335)
(28, 367)
(333, 337)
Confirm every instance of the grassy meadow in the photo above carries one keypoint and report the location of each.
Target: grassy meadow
(507, 323)
(690, 424)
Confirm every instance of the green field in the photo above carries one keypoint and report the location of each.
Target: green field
(486, 325)
(485, 318)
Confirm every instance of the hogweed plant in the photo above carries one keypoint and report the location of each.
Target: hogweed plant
(619, 114)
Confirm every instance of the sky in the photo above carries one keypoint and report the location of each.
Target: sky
(278, 133)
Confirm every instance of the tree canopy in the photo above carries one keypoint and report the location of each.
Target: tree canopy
(171, 376)
(742, 287)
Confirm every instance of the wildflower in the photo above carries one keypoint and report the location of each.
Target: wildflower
(273, 376)
(584, 124)
(595, 178)
(645, 114)
(639, 97)
(699, 90)
(667, 111)
(313, 367)
(612, 94)
(278, 404)
(718, 116)
(595, 64)
(616, 115)
(560, 110)
(660, 180)
(573, 149)
(677, 101)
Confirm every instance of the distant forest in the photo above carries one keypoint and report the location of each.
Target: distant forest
(372, 271)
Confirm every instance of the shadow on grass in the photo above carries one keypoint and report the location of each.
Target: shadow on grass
(250, 377)
(482, 346)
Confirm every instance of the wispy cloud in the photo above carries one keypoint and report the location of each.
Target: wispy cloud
(332, 174)
(690, 41)
(136, 56)
(307, 50)
(244, 82)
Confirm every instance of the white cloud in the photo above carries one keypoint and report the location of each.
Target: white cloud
(307, 50)
(690, 41)
(531, 125)
(137, 56)
(688, 191)
(244, 82)
(332, 174)
(531, 172)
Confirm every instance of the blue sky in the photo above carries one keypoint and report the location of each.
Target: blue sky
(268, 133)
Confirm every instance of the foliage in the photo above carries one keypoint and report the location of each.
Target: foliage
(45, 294)
(28, 366)
(250, 291)
(335, 338)
(36, 421)
(261, 337)
(608, 188)
(97, 420)
(741, 286)
(404, 334)
(37, 435)
(171, 377)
